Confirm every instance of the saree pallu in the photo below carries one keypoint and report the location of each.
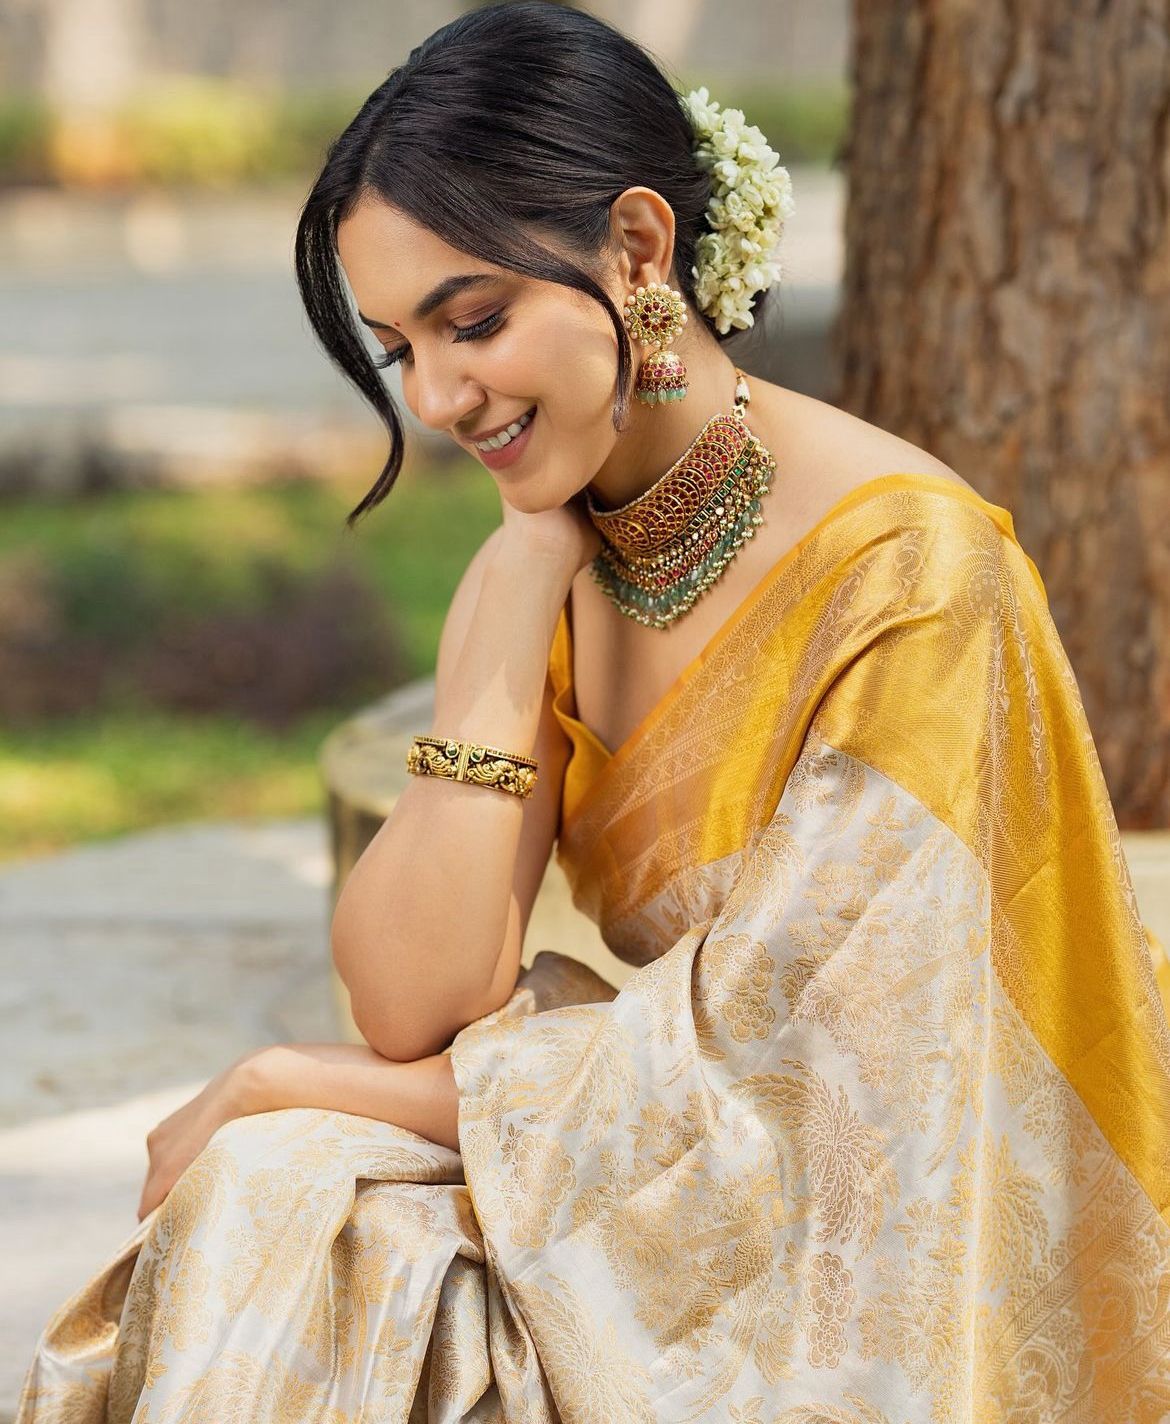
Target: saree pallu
(877, 1131)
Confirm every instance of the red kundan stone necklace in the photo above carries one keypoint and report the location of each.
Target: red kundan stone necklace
(664, 549)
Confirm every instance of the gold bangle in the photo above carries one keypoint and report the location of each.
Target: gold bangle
(470, 761)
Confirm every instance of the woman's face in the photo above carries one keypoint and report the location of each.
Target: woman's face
(481, 349)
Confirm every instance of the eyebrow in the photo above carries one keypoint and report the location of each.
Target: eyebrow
(447, 288)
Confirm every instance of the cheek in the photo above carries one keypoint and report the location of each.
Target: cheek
(573, 366)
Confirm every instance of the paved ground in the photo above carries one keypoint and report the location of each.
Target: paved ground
(134, 971)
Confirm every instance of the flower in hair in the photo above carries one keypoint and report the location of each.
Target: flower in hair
(751, 196)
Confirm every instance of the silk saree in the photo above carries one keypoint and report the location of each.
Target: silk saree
(876, 1132)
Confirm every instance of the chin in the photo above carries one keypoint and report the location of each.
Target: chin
(532, 499)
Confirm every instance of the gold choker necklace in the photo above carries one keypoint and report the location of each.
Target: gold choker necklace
(664, 549)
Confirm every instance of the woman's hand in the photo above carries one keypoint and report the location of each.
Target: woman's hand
(566, 532)
(178, 1139)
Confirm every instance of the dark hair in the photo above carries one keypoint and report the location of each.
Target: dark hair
(535, 117)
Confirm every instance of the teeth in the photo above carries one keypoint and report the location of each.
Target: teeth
(505, 437)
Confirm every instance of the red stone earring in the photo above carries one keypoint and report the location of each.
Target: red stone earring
(655, 315)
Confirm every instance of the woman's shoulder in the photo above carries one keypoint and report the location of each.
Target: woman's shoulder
(823, 453)
(832, 453)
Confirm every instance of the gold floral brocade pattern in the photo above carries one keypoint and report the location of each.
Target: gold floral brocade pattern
(868, 1182)
(877, 1131)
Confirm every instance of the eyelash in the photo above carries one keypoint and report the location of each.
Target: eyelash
(475, 332)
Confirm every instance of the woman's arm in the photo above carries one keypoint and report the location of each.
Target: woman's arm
(353, 1078)
(425, 913)
(345, 1077)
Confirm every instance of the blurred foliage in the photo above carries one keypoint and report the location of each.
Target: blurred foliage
(24, 140)
(198, 130)
(805, 125)
(170, 654)
(189, 130)
(209, 132)
(88, 777)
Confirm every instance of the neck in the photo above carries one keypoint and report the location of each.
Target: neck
(657, 435)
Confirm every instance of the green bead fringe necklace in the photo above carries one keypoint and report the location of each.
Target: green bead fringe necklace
(663, 550)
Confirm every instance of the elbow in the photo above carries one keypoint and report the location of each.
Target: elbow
(397, 1026)
(407, 1032)
(401, 1009)
(372, 1021)
(386, 1042)
(399, 1040)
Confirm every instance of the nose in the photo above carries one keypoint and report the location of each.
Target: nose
(444, 392)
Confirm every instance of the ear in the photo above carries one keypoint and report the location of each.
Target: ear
(641, 225)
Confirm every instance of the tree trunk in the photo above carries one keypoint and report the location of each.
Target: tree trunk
(1007, 308)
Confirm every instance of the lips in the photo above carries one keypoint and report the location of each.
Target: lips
(505, 455)
(499, 439)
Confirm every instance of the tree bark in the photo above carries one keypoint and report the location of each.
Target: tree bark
(1007, 307)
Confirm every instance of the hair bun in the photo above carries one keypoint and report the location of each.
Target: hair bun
(751, 197)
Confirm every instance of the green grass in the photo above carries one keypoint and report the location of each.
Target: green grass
(87, 779)
(126, 564)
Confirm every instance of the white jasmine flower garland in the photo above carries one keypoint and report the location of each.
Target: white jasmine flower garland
(751, 196)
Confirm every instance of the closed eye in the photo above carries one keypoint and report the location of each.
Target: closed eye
(475, 332)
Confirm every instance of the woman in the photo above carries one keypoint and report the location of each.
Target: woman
(879, 1127)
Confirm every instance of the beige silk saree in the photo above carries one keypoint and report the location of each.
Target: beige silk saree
(877, 1132)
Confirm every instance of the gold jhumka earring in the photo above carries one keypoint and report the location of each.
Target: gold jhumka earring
(655, 315)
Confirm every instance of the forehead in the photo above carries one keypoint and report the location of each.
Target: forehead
(391, 260)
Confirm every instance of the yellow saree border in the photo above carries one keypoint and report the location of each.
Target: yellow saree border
(592, 759)
(909, 629)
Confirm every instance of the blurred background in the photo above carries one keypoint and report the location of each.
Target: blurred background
(979, 261)
(182, 616)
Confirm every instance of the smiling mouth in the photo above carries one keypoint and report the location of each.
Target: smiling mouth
(506, 436)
